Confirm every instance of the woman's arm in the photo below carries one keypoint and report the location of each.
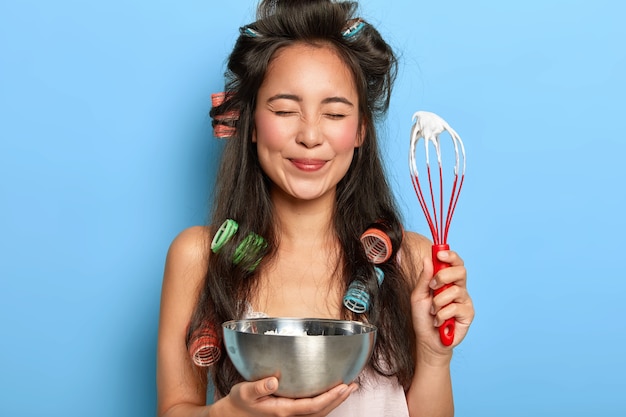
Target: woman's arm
(181, 389)
(430, 393)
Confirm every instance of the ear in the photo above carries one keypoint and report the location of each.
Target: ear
(360, 137)
(254, 135)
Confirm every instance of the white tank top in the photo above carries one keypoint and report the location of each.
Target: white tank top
(377, 396)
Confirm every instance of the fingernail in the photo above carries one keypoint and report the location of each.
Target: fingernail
(432, 310)
(443, 255)
(270, 384)
(343, 389)
(435, 323)
(433, 284)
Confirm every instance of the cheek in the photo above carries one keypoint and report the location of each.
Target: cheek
(345, 136)
(269, 132)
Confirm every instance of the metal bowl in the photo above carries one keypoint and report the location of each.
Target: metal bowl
(308, 356)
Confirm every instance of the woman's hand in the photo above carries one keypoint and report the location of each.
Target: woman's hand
(256, 399)
(429, 312)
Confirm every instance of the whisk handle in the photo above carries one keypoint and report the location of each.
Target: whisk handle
(446, 330)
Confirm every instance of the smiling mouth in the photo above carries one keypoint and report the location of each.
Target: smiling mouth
(308, 165)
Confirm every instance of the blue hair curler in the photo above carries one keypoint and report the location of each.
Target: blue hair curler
(357, 299)
(380, 275)
(354, 28)
(249, 32)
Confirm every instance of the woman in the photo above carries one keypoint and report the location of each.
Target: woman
(305, 85)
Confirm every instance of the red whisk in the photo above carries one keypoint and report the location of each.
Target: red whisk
(429, 126)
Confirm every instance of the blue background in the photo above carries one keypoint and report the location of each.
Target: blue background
(106, 154)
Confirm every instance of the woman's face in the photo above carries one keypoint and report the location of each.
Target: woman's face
(306, 121)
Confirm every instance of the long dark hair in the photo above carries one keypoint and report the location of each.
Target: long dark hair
(363, 196)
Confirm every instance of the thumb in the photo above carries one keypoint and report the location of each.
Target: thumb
(424, 278)
(265, 387)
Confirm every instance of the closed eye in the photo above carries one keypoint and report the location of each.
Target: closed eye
(335, 116)
(284, 113)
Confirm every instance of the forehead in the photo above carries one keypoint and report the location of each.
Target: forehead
(309, 66)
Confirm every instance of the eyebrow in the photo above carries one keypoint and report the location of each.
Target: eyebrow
(334, 99)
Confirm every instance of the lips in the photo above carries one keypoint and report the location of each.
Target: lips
(308, 165)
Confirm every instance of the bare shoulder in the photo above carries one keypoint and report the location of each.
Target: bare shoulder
(415, 247)
(416, 243)
(190, 246)
(186, 263)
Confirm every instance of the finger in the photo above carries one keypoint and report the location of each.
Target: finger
(463, 313)
(450, 257)
(342, 396)
(422, 289)
(259, 389)
(452, 294)
(452, 275)
(325, 402)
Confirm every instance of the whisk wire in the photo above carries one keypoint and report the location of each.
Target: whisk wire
(434, 213)
(454, 198)
(459, 151)
(420, 198)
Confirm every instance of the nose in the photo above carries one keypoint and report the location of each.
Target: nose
(309, 134)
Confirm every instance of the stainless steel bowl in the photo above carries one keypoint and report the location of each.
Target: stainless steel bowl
(308, 356)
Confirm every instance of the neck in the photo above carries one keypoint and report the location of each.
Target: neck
(304, 222)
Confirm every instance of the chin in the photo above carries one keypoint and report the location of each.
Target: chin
(309, 194)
